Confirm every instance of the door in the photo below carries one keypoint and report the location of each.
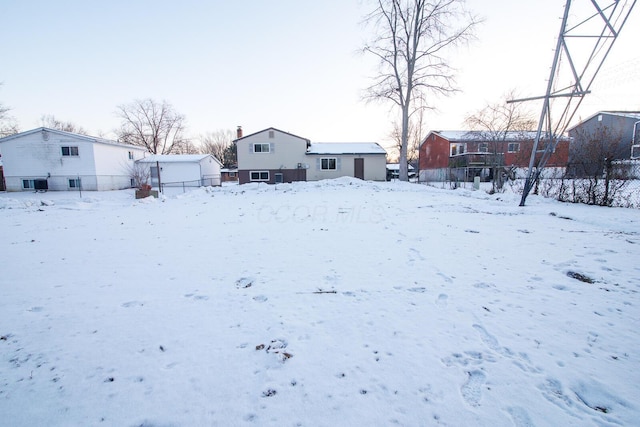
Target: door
(358, 168)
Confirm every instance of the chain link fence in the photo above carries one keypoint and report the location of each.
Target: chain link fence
(618, 185)
(169, 188)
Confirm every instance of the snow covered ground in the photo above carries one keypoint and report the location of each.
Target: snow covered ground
(317, 304)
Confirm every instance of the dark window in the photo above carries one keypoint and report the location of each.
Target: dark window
(259, 176)
(261, 148)
(328, 164)
(69, 151)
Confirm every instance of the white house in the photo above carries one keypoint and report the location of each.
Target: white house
(274, 156)
(51, 159)
(182, 170)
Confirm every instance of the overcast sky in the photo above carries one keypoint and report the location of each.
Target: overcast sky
(290, 64)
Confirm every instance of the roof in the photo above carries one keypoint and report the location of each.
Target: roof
(346, 148)
(396, 167)
(176, 158)
(88, 138)
(478, 135)
(634, 115)
(271, 128)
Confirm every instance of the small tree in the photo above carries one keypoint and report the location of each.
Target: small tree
(220, 144)
(495, 122)
(592, 156)
(153, 125)
(140, 174)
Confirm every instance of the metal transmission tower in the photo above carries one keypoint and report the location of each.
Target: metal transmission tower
(583, 45)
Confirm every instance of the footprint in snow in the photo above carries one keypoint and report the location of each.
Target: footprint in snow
(132, 304)
(472, 389)
(520, 417)
(442, 300)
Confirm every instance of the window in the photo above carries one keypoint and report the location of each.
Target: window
(69, 151)
(271, 134)
(635, 151)
(328, 164)
(27, 184)
(261, 148)
(457, 149)
(279, 178)
(483, 147)
(259, 176)
(74, 183)
(513, 147)
(130, 155)
(232, 174)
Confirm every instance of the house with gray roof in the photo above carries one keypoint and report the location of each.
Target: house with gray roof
(274, 156)
(623, 126)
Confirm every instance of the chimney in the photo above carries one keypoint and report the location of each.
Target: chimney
(239, 132)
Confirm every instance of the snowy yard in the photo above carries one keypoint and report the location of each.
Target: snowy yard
(317, 304)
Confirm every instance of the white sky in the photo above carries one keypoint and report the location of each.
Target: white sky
(289, 64)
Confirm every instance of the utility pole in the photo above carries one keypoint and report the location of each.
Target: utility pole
(599, 28)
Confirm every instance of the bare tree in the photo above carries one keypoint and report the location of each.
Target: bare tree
(51, 122)
(140, 174)
(411, 39)
(153, 125)
(188, 147)
(495, 123)
(220, 145)
(8, 125)
(597, 178)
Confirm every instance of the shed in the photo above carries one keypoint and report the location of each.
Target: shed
(182, 170)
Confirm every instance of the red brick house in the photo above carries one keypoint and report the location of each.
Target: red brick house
(467, 154)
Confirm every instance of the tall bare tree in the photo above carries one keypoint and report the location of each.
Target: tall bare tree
(153, 125)
(495, 122)
(410, 42)
(51, 122)
(220, 145)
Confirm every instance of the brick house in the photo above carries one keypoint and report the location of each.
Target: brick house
(467, 154)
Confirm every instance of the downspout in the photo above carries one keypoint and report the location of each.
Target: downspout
(633, 137)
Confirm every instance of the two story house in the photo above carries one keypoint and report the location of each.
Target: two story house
(475, 153)
(50, 159)
(274, 156)
(623, 126)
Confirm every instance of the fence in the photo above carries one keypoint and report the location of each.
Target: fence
(71, 182)
(618, 185)
(168, 188)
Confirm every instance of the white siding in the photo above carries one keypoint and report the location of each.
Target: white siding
(38, 155)
(375, 167)
(113, 166)
(210, 170)
(32, 157)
